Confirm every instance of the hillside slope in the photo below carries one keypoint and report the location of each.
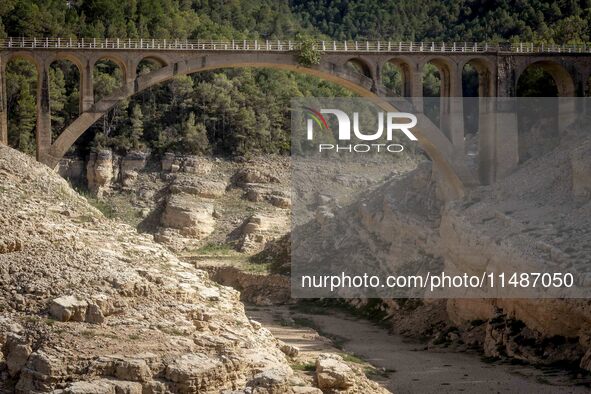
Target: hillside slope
(87, 305)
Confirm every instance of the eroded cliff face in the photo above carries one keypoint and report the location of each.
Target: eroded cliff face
(538, 217)
(89, 305)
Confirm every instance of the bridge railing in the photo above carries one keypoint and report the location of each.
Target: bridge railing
(282, 45)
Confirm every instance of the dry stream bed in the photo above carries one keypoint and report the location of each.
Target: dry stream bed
(401, 365)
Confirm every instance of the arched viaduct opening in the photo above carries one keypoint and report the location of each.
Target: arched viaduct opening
(149, 64)
(396, 77)
(108, 75)
(64, 94)
(359, 66)
(477, 85)
(539, 127)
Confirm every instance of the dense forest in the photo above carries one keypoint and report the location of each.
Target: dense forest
(243, 111)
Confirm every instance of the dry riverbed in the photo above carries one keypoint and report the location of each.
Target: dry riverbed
(397, 364)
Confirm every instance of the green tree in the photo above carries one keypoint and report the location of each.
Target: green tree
(308, 54)
(137, 127)
(57, 99)
(195, 139)
(25, 127)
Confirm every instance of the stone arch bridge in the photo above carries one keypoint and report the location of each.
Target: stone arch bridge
(498, 67)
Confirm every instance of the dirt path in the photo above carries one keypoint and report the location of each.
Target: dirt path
(412, 369)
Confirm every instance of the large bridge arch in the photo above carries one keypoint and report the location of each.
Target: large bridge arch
(435, 143)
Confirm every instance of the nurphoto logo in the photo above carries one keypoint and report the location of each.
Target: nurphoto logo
(395, 121)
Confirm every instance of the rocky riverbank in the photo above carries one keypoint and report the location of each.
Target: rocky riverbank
(88, 305)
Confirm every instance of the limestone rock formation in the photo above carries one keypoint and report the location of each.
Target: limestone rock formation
(99, 171)
(193, 217)
(535, 220)
(198, 187)
(131, 165)
(189, 164)
(258, 229)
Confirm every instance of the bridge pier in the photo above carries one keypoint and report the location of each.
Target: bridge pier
(416, 88)
(86, 87)
(43, 129)
(452, 110)
(498, 143)
(3, 105)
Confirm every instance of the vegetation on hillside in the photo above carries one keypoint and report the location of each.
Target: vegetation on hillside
(549, 21)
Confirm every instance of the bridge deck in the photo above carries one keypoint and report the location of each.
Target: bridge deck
(283, 45)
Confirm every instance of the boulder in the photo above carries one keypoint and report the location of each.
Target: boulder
(272, 380)
(255, 194)
(17, 351)
(132, 370)
(191, 368)
(332, 373)
(191, 216)
(68, 308)
(94, 314)
(288, 350)
(280, 201)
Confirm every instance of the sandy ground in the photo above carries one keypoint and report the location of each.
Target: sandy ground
(409, 368)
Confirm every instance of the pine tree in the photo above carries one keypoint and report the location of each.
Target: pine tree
(137, 127)
(26, 122)
(58, 99)
(195, 140)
